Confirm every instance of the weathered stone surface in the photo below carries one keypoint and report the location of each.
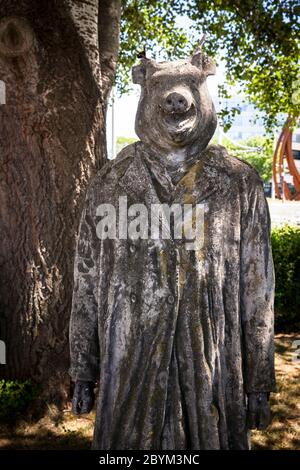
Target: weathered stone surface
(175, 338)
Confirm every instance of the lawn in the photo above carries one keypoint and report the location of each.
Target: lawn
(61, 430)
(284, 432)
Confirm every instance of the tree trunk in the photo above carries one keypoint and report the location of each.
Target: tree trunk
(52, 140)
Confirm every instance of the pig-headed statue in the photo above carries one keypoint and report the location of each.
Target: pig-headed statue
(175, 109)
(179, 340)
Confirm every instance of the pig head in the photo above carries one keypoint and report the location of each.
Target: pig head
(175, 110)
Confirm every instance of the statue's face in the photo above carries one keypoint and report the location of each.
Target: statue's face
(175, 108)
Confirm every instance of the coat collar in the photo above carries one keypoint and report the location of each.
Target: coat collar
(201, 181)
(137, 182)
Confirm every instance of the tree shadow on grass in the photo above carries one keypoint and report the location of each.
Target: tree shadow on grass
(58, 430)
(284, 431)
(49, 440)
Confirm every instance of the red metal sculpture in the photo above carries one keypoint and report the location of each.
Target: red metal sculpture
(283, 153)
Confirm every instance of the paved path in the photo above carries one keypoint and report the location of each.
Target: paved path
(284, 212)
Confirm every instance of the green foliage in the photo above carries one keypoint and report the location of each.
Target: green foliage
(258, 40)
(259, 43)
(149, 25)
(123, 142)
(261, 158)
(15, 396)
(286, 254)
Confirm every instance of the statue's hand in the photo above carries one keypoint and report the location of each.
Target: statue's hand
(83, 397)
(258, 413)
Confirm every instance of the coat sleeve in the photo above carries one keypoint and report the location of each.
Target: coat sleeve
(257, 291)
(83, 333)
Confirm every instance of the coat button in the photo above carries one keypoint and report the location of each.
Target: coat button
(133, 298)
(171, 299)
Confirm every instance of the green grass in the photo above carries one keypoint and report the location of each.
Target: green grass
(284, 432)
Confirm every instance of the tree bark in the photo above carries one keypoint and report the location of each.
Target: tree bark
(52, 140)
(109, 28)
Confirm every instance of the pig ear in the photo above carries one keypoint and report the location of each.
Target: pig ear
(208, 65)
(139, 74)
(204, 63)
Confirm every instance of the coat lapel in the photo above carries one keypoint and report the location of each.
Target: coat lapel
(138, 185)
(200, 183)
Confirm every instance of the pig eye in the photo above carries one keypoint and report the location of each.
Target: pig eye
(169, 101)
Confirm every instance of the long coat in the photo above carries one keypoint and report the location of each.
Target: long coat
(175, 338)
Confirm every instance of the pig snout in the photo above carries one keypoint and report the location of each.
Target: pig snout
(175, 103)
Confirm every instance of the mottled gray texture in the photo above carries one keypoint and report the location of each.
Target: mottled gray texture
(160, 124)
(175, 338)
